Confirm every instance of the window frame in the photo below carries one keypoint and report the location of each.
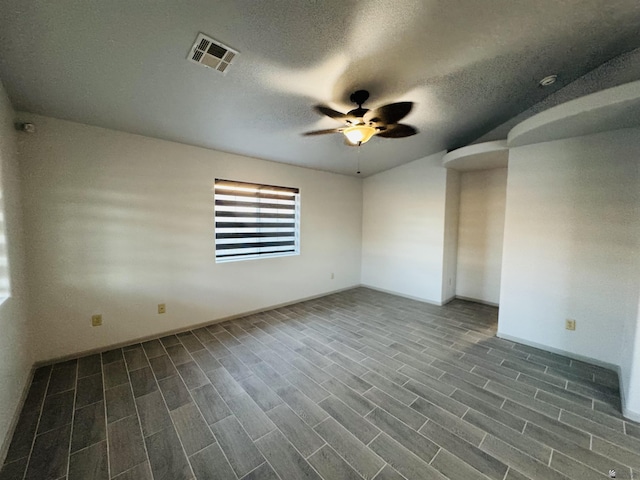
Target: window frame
(232, 219)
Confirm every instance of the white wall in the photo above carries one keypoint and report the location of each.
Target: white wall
(117, 223)
(572, 232)
(15, 356)
(630, 361)
(451, 218)
(480, 232)
(403, 233)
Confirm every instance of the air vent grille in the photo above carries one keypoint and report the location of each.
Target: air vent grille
(211, 53)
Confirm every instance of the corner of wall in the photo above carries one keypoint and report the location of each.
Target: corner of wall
(451, 220)
(407, 198)
(15, 347)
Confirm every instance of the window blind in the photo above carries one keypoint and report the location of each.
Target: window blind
(253, 220)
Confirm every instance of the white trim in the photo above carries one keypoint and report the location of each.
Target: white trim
(185, 329)
(6, 442)
(410, 297)
(629, 414)
(559, 351)
(449, 299)
(477, 300)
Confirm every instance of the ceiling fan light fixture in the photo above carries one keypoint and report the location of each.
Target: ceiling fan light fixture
(359, 134)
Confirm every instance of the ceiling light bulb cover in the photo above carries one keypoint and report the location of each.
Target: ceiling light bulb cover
(359, 134)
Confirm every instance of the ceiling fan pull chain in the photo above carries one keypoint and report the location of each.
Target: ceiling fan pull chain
(359, 147)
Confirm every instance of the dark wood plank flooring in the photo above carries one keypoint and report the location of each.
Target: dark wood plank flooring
(355, 385)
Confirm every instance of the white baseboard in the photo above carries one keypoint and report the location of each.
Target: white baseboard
(449, 299)
(6, 442)
(629, 414)
(399, 294)
(483, 302)
(575, 356)
(106, 348)
(632, 415)
(626, 412)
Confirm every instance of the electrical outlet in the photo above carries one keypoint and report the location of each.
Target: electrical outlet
(96, 320)
(332, 276)
(570, 324)
(162, 308)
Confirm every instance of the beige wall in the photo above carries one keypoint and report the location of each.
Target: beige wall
(117, 223)
(451, 218)
(571, 248)
(404, 229)
(480, 233)
(15, 348)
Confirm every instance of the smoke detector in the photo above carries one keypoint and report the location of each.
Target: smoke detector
(547, 81)
(26, 127)
(211, 53)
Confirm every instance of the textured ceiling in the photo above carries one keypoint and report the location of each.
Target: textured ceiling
(468, 65)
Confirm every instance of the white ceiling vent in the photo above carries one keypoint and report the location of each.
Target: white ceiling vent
(211, 53)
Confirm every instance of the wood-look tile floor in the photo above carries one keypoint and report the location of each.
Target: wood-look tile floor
(354, 385)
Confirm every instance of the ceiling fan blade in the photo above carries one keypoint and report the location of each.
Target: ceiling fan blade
(329, 112)
(398, 130)
(392, 113)
(322, 132)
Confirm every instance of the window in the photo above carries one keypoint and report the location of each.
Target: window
(255, 221)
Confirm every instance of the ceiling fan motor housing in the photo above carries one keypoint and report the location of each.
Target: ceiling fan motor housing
(359, 97)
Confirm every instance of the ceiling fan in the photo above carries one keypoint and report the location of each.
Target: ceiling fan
(360, 124)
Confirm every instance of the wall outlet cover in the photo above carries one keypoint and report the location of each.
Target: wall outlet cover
(96, 320)
(570, 324)
(162, 308)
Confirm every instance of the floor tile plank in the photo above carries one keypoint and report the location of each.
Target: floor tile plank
(192, 430)
(50, 454)
(284, 459)
(90, 463)
(349, 419)
(237, 446)
(174, 392)
(166, 457)
(120, 403)
(126, 447)
(297, 432)
(329, 464)
(211, 464)
(357, 384)
(153, 413)
(352, 450)
(211, 405)
(402, 460)
(89, 390)
(89, 426)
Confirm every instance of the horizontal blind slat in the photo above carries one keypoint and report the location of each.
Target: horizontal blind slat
(226, 214)
(254, 225)
(247, 254)
(232, 203)
(255, 235)
(227, 246)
